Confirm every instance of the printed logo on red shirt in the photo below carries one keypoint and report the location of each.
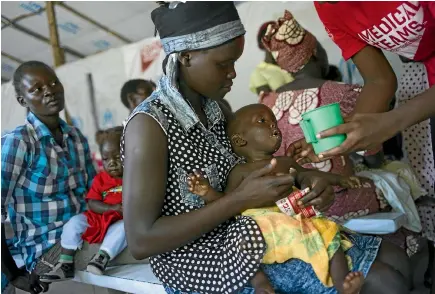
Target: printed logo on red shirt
(399, 31)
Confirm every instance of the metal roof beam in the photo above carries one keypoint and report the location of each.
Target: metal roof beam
(22, 16)
(12, 57)
(95, 23)
(39, 37)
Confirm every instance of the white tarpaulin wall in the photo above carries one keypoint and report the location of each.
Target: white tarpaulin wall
(110, 69)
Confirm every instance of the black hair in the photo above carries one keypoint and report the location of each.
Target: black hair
(114, 133)
(334, 74)
(19, 72)
(131, 87)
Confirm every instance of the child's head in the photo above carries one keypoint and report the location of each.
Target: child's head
(135, 91)
(38, 88)
(254, 131)
(109, 141)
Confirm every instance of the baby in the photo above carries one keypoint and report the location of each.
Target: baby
(255, 137)
(102, 223)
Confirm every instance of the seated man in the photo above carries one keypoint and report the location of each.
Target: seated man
(46, 172)
(135, 91)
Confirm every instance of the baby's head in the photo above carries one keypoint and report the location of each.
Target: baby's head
(109, 141)
(254, 132)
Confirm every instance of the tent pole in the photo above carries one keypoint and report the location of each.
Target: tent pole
(58, 53)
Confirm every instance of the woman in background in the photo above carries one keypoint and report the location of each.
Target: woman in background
(267, 76)
(133, 92)
(297, 51)
(362, 30)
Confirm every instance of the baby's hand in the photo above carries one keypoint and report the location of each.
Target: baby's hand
(198, 184)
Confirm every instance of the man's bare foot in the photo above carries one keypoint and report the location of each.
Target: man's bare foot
(353, 283)
(261, 284)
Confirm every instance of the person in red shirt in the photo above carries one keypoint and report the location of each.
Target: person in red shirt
(361, 30)
(102, 223)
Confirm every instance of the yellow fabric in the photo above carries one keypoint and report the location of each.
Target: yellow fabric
(266, 74)
(312, 240)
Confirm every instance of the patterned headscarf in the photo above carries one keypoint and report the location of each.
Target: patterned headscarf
(195, 25)
(290, 44)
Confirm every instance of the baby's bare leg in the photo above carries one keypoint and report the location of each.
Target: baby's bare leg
(344, 282)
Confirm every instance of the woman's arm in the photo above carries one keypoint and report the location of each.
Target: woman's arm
(414, 111)
(144, 184)
(380, 82)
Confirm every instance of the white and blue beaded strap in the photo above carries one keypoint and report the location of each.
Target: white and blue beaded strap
(208, 38)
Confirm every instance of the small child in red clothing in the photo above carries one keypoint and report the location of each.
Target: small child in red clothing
(102, 223)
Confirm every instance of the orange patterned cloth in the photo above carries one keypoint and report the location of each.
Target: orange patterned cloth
(313, 240)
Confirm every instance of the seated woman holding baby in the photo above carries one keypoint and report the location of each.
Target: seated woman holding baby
(297, 51)
(200, 245)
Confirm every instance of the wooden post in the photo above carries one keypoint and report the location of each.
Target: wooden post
(58, 53)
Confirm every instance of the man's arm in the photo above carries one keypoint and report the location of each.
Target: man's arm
(9, 268)
(13, 163)
(89, 163)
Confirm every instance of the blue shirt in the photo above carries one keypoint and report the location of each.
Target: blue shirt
(43, 185)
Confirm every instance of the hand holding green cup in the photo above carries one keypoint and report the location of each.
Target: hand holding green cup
(321, 119)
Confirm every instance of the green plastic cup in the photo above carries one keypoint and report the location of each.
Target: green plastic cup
(320, 119)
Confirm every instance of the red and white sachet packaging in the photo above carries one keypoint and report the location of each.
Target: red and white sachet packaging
(289, 206)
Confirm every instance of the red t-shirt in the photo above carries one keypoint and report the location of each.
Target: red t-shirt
(105, 188)
(403, 27)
